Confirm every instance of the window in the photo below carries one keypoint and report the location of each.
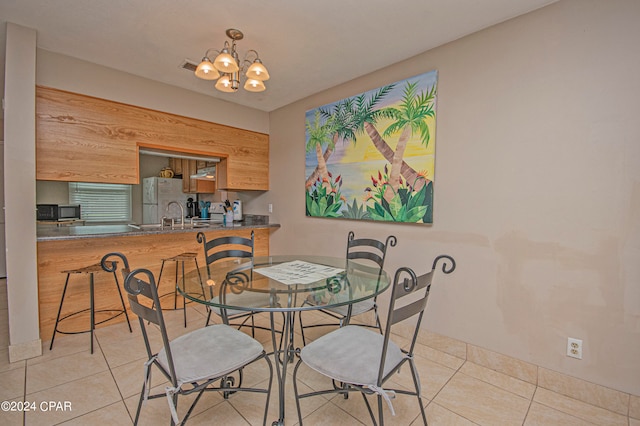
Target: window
(102, 202)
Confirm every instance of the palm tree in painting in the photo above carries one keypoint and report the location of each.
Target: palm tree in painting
(341, 118)
(410, 117)
(366, 116)
(320, 133)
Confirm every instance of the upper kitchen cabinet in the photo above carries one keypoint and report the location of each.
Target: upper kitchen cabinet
(85, 139)
(244, 155)
(81, 139)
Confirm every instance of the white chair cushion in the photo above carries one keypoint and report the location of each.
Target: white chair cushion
(358, 308)
(210, 352)
(351, 354)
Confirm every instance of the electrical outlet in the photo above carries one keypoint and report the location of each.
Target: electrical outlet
(270, 208)
(574, 348)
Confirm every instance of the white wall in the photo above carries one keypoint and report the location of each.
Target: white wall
(20, 194)
(537, 188)
(71, 74)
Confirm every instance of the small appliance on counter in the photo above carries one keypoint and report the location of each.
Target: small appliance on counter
(192, 208)
(237, 211)
(57, 212)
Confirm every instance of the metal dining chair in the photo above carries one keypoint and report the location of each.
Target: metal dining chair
(370, 252)
(228, 249)
(194, 361)
(363, 360)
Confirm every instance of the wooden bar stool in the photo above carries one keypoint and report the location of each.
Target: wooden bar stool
(179, 260)
(89, 270)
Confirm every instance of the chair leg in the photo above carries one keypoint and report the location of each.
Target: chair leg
(199, 277)
(55, 328)
(295, 390)
(377, 317)
(266, 405)
(193, 405)
(416, 384)
(158, 282)
(175, 289)
(135, 422)
(304, 340)
(366, 401)
(124, 309)
(92, 308)
(184, 298)
(175, 404)
(380, 410)
(142, 392)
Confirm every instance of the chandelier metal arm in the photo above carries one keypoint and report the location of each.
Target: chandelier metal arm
(207, 53)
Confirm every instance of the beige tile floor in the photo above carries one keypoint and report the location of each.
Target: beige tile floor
(103, 388)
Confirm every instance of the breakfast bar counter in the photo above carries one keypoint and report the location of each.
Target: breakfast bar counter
(64, 248)
(52, 232)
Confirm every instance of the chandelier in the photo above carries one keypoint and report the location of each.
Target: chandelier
(227, 67)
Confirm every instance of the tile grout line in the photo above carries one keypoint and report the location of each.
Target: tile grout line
(432, 400)
(526, 414)
(114, 380)
(344, 411)
(574, 399)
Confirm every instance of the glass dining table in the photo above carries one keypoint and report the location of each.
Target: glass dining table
(283, 285)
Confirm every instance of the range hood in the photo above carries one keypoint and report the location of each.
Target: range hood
(207, 173)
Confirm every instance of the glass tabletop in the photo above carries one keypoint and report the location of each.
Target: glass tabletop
(283, 283)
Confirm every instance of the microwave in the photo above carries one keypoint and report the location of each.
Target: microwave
(57, 212)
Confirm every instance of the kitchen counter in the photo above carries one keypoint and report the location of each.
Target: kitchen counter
(48, 233)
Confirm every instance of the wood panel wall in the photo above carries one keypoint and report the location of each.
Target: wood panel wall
(142, 251)
(87, 139)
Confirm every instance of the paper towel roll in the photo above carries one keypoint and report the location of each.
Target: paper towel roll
(237, 210)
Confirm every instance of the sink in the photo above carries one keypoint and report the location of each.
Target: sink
(192, 225)
(146, 225)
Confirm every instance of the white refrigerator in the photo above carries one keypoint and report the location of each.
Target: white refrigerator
(157, 192)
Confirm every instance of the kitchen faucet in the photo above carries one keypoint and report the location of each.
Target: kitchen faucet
(181, 212)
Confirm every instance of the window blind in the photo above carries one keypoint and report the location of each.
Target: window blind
(102, 202)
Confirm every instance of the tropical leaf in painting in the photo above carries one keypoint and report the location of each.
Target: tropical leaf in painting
(406, 205)
(323, 199)
(355, 211)
(428, 215)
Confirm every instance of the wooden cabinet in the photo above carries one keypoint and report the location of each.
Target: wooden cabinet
(78, 141)
(191, 167)
(86, 139)
(176, 166)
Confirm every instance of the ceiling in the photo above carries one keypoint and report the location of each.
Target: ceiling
(308, 46)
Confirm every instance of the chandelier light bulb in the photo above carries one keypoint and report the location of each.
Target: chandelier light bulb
(206, 70)
(224, 84)
(257, 71)
(225, 62)
(253, 85)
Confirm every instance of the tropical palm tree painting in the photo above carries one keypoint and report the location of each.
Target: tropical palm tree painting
(372, 156)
